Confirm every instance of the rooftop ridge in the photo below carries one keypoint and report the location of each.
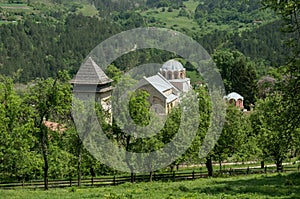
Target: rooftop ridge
(90, 73)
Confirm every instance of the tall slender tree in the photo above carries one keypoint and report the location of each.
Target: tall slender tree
(49, 99)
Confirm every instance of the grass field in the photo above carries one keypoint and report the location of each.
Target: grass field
(88, 10)
(251, 186)
(15, 7)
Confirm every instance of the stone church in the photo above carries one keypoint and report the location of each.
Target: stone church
(164, 88)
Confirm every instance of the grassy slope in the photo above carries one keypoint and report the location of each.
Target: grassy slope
(182, 23)
(171, 19)
(252, 186)
(88, 10)
(39, 6)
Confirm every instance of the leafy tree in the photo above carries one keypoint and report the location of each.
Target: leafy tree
(49, 99)
(139, 107)
(271, 125)
(114, 73)
(238, 74)
(233, 135)
(17, 158)
(290, 84)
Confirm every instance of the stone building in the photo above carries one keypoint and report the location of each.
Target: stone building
(166, 87)
(163, 95)
(175, 73)
(91, 81)
(235, 99)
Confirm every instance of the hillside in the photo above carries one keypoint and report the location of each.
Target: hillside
(216, 24)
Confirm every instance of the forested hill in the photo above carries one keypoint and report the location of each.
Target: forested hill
(39, 38)
(41, 50)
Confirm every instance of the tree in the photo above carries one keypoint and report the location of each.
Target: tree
(233, 135)
(114, 73)
(238, 74)
(49, 99)
(276, 139)
(17, 157)
(289, 86)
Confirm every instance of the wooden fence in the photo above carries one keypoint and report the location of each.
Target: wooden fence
(170, 176)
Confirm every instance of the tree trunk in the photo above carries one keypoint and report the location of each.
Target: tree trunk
(220, 163)
(150, 176)
(45, 157)
(79, 162)
(209, 167)
(132, 177)
(278, 163)
(172, 167)
(262, 164)
(151, 172)
(128, 158)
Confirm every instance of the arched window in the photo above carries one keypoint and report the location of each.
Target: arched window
(169, 75)
(232, 101)
(176, 75)
(181, 75)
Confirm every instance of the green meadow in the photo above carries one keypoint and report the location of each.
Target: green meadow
(275, 185)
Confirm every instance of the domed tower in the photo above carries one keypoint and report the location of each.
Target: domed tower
(175, 73)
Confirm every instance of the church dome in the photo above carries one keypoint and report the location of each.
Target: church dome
(234, 96)
(173, 65)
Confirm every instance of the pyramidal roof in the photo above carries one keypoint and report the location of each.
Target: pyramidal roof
(90, 73)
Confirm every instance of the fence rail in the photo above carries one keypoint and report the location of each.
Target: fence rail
(171, 176)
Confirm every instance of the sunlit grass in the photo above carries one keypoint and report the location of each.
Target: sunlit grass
(88, 10)
(251, 186)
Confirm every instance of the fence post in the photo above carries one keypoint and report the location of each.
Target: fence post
(114, 180)
(262, 164)
(193, 174)
(92, 181)
(230, 171)
(70, 182)
(248, 170)
(265, 169)
(174, 176)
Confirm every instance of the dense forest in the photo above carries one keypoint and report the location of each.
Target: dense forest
(255, 51)
(41, 46)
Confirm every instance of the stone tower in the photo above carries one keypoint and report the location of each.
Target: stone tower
(91, 81)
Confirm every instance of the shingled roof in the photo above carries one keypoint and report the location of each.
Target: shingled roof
(90, 73)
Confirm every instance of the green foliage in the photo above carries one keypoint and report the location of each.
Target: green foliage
(139, 108)
(238, 74)
(42, 49)
(114, 73)
(225, 11)
(17, 136)
(233, 135)
(39, 45)
(270, 123)
(164, 3)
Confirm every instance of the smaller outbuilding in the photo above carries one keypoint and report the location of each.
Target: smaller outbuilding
(235, 99)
